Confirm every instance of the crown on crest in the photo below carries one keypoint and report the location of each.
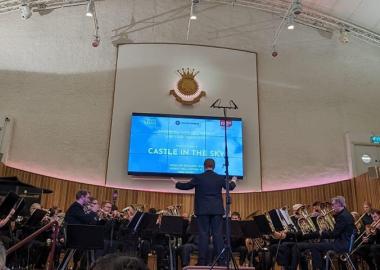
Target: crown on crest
(187, 73)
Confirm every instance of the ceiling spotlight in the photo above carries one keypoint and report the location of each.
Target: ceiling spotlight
(193, 11)
(90, 8)
(343, 36)
(25, 10)
(296, 7)
(291, 22)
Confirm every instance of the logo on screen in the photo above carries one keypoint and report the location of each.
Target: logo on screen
(187, 91)
(177, 123)
(228, 123)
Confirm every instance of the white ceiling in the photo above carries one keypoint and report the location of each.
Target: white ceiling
(364, 13)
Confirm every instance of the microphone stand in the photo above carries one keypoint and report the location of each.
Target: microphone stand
(227, 251)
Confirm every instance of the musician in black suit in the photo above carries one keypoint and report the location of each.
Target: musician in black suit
(343, 229)
(208, 207)
(76, 213)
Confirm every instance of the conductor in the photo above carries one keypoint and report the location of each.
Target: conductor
(208, 207)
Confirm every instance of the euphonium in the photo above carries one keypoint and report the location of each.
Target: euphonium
(174, 210)
(324, 220)
(305, 222)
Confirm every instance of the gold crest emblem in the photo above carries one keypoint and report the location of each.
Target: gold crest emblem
(187, 91)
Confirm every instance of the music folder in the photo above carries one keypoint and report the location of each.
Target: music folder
(276, 221)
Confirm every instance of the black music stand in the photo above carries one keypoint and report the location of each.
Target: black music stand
(146, 223)
(135, 222)
(36, 217)
(263, 225)
(257, 228)
(171, 226)
(82, 237)
(227, 248)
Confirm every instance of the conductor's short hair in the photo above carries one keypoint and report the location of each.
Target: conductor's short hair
(209, 163)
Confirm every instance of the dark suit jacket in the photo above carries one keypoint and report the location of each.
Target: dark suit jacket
(344, 227)
(208, 192)
(76, 215)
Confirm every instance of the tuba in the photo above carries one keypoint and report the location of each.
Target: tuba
(325, 221)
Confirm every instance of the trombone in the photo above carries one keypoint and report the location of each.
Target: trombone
(371, 231)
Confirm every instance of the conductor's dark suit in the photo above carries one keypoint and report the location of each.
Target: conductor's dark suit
(208, 207)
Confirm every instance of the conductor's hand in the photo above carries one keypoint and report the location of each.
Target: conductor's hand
(173, 180)
(234, 179)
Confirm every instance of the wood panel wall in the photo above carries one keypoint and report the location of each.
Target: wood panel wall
(355, 191)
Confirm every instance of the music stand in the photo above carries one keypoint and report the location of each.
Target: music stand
(236, 230)
(251, 229)
(227, 249)
(134, 223)
(36, 217)
(83, 237)
(147, 223)
(263, 224)
(171, 226)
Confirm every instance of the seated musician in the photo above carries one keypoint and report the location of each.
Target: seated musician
(370, 249)
(190, 247)
(288, 254)
(367, 209)
(238, 244)
(316, 206)
(343, 229)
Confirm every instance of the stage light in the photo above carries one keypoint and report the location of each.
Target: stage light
(297, 7)
(25, 10)
(90, 8)
(193, 11)
(291, 22)
(343, 35)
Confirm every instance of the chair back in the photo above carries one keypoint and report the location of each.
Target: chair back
(352, 240)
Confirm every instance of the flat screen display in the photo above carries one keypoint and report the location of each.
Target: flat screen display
(177, 145)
